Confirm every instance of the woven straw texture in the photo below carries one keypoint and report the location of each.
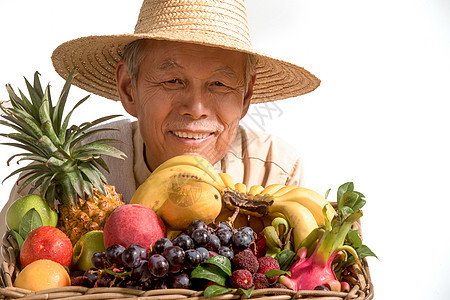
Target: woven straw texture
(216, 23)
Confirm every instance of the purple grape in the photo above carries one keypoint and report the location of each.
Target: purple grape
(225, 251)
(184, 241)
(241, 240)
(214, 243)
(142, 272)
(224, 225)
(98, 260)
(91, 274)
(177, 269)
(82, 281)
(179, 281)
(196, 224)
(158, 265)
(224, 236)
(248, 230)
(201, 237)
(142, 250)
(204, 253)
(114, 254)
(131, 257)
(174, 255)
(105, 280)
(161, 245)
(192, 258)
(161, 284)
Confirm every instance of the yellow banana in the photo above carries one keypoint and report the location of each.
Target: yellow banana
(310, 199)
(299, 217)
(158, 186)
(241, 188)
(256, 189)
(194, 161)
(271, 189)
(227, 180)
(284, 190)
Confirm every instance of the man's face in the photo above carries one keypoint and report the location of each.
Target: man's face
(188, 99)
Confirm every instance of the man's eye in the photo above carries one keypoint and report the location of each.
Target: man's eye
(218, 83)
(174, 81)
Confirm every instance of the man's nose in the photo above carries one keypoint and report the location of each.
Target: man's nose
(195, 104)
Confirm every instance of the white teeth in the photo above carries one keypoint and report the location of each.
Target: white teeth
(190, 135)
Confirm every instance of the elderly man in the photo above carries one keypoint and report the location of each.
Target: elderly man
(188, 74)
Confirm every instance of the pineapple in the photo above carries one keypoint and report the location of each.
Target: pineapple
(66, 172)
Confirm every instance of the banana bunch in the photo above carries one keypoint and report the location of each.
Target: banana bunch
(186, 188)
(301, 207)
(182, 189)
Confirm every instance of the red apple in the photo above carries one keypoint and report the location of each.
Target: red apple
(46, 242)
(133, 224)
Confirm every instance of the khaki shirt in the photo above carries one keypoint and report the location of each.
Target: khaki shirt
(254, 158)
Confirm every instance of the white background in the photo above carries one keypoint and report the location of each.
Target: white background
(380, 117)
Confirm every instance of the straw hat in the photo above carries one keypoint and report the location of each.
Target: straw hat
(217, 23)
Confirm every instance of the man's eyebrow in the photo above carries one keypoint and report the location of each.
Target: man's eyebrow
(169, 64)
(227, 71)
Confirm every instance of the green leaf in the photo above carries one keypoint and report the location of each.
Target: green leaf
(248, 292)
(345, 210)
(221, 262)
(285, 259)
(210, 272)
(273, 273)
(364, 251)
(215, 290)
(59, 108)
(18, 238)
(30, 221)
(354, 238)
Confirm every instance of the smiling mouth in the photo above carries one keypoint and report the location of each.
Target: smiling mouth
(192, 135)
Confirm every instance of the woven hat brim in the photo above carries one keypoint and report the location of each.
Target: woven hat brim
(95, 59)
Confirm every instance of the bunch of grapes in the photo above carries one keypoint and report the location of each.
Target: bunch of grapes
(169, 263)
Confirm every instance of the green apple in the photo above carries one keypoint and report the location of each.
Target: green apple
(22, 205)
(90, 243)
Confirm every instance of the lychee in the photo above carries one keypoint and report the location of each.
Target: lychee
(246, 260)
(241, 279)
(260, 281)
(267, 263)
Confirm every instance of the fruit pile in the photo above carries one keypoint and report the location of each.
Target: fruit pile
(183, 261)
(187, 226)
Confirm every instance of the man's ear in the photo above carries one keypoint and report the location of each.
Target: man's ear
(125, 88)
(248, 96)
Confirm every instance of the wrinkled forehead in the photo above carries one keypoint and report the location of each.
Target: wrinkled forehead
(169, 54)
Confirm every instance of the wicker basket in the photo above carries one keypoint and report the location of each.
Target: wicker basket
(360, 288)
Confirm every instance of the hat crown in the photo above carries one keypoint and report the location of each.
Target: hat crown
(222, 22)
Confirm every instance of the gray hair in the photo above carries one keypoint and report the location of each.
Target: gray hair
(133, 54)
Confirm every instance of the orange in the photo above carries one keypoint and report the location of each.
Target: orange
(41, 275)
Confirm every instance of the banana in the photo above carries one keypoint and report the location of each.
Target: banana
(299, 217)
(194, 161)
(256, 189)
(284, 190)
(271, 189)
(158, 186)
(227, 180)
(310, 199)
(241, 188)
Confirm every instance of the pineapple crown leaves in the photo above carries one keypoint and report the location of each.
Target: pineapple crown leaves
(62, 167)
